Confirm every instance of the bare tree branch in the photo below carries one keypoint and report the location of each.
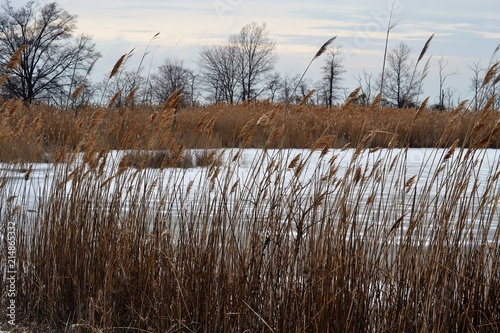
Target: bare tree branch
(52, 59)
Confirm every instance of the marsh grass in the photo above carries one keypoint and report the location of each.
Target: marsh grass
(155, 219)
(314, 240)
(168, 159)
(156, 160)
(44, 134)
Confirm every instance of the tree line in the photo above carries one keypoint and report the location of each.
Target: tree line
(53, 65)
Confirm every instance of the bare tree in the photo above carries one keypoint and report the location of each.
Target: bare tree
(484, 84)
(332, 75)
(302, 88)
(443, 63)
(475, 84)
(219, 68)
(119, 90)
(256, 58)
(448, 96)
(273, 85)
(81, 96)
(237, 70)
(366, 84)
(287, 87)
(170, 76)
(398, 89)
(192, 87)
(52, 59)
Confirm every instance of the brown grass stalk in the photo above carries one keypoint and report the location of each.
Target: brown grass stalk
(16, 57)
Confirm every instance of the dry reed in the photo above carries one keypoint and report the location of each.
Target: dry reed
(118, 235)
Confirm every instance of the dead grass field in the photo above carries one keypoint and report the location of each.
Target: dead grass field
(305, 257)
(42, 133)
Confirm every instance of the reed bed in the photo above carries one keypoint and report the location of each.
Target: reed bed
(334, 235)
(45, 134)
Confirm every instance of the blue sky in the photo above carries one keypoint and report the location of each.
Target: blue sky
(465, 31)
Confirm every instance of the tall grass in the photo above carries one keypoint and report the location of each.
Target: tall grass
(155, 219)
(42, 133)
(314, 240)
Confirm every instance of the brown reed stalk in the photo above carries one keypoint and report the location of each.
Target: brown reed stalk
(114, 71)
(351, 98)
(318, 54)
(422, 54)
(491, 74)
(247, 132)
(3, 79)
(113, 99)
(78, 91)
(390, 26)
(307, 97)
(173, 99)
(118, 65)
(146, 52)
(16, 58)
(129, 100)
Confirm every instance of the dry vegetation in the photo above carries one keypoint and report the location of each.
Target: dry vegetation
(114, 240)
(41, 133)
(114, 245)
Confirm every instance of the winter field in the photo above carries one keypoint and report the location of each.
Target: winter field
(269, 239)
(134, 206)
(253, 216)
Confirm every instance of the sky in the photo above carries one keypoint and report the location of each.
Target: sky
(466, 32)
